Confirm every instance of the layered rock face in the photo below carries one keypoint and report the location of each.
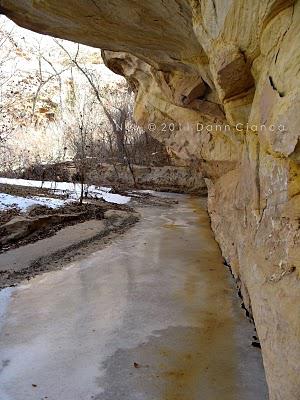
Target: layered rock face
(218, 82)
(176, 179)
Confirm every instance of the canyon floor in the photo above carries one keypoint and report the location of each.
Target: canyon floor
(152, 315)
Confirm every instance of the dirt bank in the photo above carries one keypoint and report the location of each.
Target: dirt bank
(53, 259)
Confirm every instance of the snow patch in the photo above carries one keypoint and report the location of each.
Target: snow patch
(72, 190)
(23, 203)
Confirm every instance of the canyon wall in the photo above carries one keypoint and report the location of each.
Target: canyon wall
(218, 82)
(175, 179)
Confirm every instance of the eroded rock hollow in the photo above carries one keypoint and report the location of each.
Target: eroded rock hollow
(218, 82)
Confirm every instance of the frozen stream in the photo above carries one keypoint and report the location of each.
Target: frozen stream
(153, 316)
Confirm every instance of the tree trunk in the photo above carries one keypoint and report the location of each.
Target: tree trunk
(82, 180)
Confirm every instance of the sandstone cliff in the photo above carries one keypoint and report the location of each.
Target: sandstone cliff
(202, 71)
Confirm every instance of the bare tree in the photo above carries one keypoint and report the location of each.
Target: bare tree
(41, 89)
(117, 115)
(46, 72)
(7, 68)
(80, 125)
